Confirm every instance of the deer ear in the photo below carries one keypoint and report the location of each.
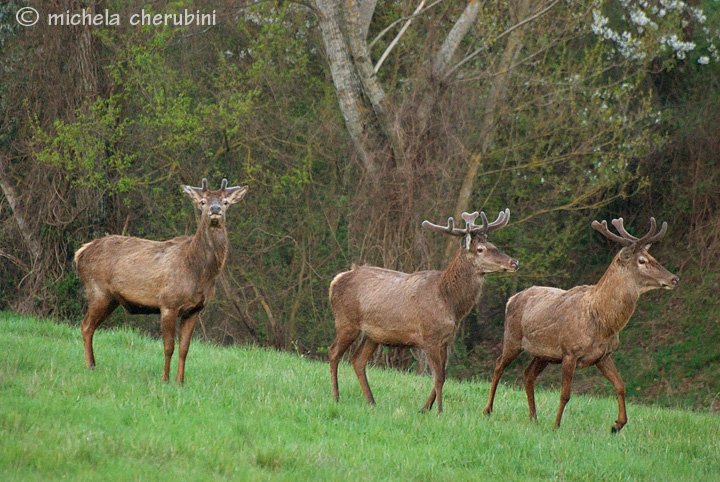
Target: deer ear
(192, 192)
(235, 194)
(625, 254)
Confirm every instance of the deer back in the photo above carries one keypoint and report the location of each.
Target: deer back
(137, 270)
(391, 307)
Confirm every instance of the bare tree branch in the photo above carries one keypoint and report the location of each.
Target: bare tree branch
(452, 42)
(390, 27)
(9, 191)
(506, 32)
(397, 37)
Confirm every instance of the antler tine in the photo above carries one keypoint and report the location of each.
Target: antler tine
(485, 224)
(204, 184)
(660, 234)
(618, 223)
(223, 186)
(651, 237)
(603, 228)
(469, 219)
(501, 221)
(449, 229)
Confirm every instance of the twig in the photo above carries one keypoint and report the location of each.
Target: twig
(506, 32)
(397, 38)
(409, 17)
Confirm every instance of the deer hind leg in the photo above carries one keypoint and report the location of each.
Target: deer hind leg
(98, 311)
(607, 368)
(337, 349)
(359, 362)
(187, 326)
(167, 328)
(533, 370)
(568, 370)
(437, 358)
(510, 352)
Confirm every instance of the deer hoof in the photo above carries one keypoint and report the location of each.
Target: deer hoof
(614, 430)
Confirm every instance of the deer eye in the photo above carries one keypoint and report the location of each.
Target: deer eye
(203, 202)
(642, 260)
(226, 202)
(480, 249)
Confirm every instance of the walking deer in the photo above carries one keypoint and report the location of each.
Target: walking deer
(421, 309)
(579, 327)
(175, 278)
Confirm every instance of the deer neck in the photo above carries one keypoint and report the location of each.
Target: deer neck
(208, 249)
(461, 285)
(614, 300)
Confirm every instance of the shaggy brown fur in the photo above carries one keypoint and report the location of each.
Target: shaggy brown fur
(579, 327)
(175, 278)
(421, 309)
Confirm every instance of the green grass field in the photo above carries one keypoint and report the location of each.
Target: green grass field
(256, 414)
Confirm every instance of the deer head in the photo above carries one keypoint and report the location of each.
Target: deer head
(212, 204)
(647, 273)
(487, 258)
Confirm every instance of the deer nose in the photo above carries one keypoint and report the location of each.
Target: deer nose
(215, 209)
(514, 263)
(675, 281)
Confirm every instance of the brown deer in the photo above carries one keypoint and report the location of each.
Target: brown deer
(421, 309)
(175, 278)
(579, 327)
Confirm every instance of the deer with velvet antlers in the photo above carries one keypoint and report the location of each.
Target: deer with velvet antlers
(579, 328)
(175, 278)
(421, 309)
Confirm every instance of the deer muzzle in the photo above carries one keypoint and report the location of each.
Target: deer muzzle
(215, 209)
(670, 283)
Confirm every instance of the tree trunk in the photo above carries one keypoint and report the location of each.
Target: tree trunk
(488, 127)
(344, 77)
(357, 38)
(9, 191)
(86, 63)
(367, 9)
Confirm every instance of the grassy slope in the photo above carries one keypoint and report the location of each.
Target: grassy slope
(247, 413)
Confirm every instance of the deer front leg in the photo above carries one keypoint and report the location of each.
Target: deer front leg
(187, 326)
(437, 358)
(607, 368)
(98, 311)
(339, 346)
(568, 370)
(510, 352)
(167, 328)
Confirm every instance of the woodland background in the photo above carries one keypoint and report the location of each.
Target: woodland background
(353, 121)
